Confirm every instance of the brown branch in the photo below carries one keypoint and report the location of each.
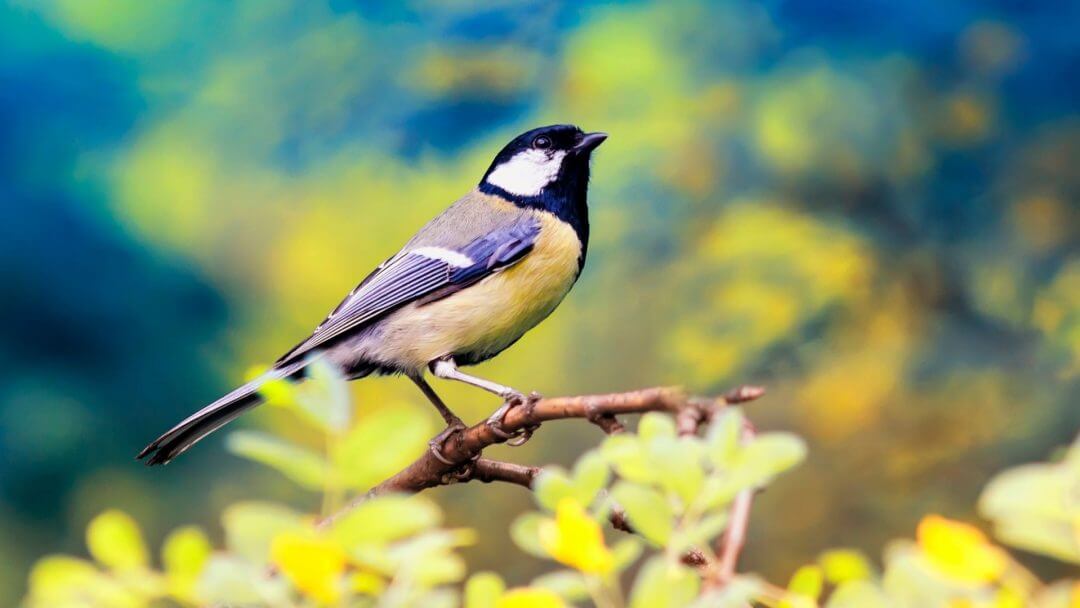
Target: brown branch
(731, 544)
(463, 449)
(608, 423)
(487, 471)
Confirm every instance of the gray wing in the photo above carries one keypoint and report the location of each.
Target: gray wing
(423, 272)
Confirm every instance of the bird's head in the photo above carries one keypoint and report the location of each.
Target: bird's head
(543, 162)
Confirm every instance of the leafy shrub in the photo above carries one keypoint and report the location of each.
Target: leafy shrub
(674, 491)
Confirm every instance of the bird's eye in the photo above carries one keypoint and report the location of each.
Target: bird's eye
(542, 143)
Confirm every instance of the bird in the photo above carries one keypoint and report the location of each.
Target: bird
(468, 285)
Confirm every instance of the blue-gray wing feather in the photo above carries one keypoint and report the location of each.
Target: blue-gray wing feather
(413, 275)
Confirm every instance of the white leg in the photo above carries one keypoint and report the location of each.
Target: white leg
(447, 369)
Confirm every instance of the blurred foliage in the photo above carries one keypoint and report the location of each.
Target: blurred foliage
(869, 207)
(676, 491)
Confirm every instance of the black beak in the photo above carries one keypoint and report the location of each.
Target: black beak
(589, 142)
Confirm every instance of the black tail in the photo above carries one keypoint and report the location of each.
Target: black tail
(212, 417)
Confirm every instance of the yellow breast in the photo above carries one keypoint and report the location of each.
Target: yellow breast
(485, 318)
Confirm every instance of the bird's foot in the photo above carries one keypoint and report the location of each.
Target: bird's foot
(438, 442)
(496, 422)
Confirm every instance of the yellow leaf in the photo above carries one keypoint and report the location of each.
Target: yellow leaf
(807, 582)
(960, 551)
(530, 597)
(1007, 597)
(575, 539)
(115, 541)
(367, 583)
(842, 565)
(314, 565)
(56, 573)
(483, 590)
(184, 554)
(59, 580)
(275, 392)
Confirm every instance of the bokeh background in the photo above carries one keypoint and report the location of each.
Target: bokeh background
(869, 207)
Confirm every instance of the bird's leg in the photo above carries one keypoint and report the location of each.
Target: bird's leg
(450, 417)
(453, 423)
(448, 369)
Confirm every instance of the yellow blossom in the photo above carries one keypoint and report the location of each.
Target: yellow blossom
(530, 597)
(960, 551)
(314, 565)
(575, 539)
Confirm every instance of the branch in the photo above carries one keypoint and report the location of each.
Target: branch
(463, 449)
(731, 544)
(487, 471)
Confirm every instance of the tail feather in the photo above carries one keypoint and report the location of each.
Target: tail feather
(212, 417)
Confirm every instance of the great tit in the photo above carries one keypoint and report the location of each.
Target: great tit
(468, 285)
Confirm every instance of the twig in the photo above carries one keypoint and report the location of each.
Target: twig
(463, 449)
(487, 471)
(731, 544)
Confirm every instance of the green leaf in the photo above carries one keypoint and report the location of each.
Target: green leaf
(723, 437)
(382, 443)
(525, 532)
(647, 510)
(1029, 490)
(183, 555)
(231, 581)
(1032, 508)
(591, 475)
(325, 397)
(251, 526)
(858, 594)
(628, 458)
(739, 592)
(387, 518)
(568, 584)
(483, 590)
(908, 581)
(655, 425)
(431, 569)
(436, 598)
(717, 491)
(59, 580)
(301, 465)
(428, 560)
(661, 584)
(551, 486)
(59, 573)
(115, 541)
(679, 461)
(701, 533)
(625, 552)
(766, 456)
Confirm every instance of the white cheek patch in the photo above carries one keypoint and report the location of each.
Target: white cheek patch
(527, 173)
(449, 256)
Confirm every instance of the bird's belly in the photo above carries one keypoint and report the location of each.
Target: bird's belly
(483, 319)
